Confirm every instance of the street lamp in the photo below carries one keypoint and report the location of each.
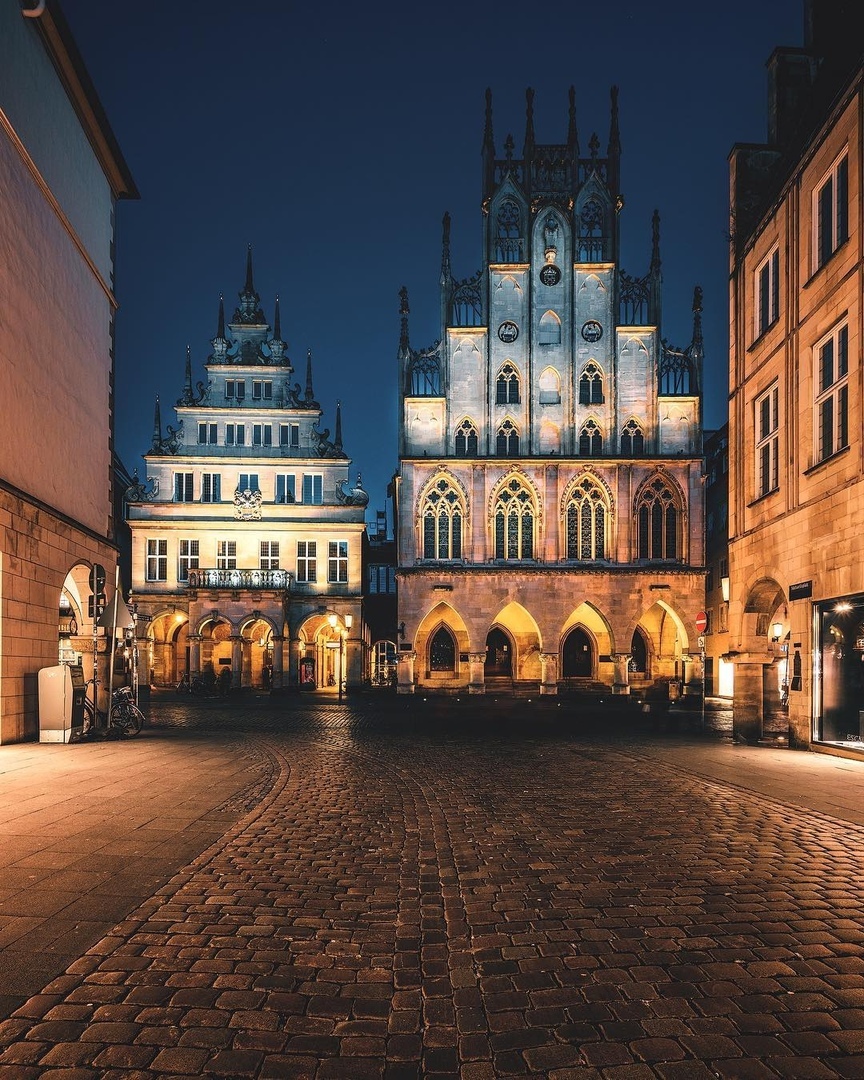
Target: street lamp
(348, 621)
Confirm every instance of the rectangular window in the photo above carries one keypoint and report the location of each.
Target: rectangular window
(767, 441)
(226, 554)
(337, 561)
(235, 434)
(157, 560)
(831, 421)
(285, 488)
(269, 555)
(313, 489)
(262, 434)
(262, 390)
(248, 482)
(188, 559)
(831, 212)
(207, 434)
(768, 292)
(183, 487)
(382, 579)
(211, 487)
(307, 563)
(235, 389)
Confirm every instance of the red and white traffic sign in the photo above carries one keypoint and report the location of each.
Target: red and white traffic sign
(701, 622)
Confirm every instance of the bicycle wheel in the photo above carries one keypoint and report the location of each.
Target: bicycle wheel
(126, 720)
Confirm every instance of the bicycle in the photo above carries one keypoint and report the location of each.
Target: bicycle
(188, 685)
(124, 721)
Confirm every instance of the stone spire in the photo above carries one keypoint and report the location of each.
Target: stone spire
(310, 393)
(488, 150)
(337, 438)
(528, 148)
(655, 275)
(220, 343)
(276, 345)
(613, 152)
(572, 133)
(249, 310)
(446, 273)
(187, 384)
(157, 427)
(404, 311)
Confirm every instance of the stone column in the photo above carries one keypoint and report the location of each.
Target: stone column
(551, 516)
(548, 672)
(194, 655)
(405, 673)
(294, 662)
(276, 674)
(747, 705)
(476, 673)
(621, 678)
(236, 661)
(478, 515)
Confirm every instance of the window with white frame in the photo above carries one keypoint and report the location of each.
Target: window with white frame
(337, 561)
(286, 488)
(235, 434)
(248, 482)
(307, 560)
(262, 390)
(183, 486)
(767, 292)
(767, 441)
(207, 434)
(289, 435)
(157, 560)
(268, 557)
(831, 212)
(235, 389)
(262, 434)
(211, 487)
(187, 558)
(831, 377)
(226, 554)
(313, 489)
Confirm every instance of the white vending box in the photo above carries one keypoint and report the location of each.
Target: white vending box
(61, 702)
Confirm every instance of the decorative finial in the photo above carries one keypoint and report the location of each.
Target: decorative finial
(655, 242)
(572, 134)
(310, 394)
(404, 310)
(277, 324)
(157, 426)
(446, 275)
(488, 138)
(220, 343)
(187, 388)
(249, 310)
(337, 438)
(697, 350)
(528, 149)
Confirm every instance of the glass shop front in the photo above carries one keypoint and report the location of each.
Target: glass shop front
(838, 683)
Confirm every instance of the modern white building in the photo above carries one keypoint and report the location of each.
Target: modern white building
(246, 539)
(61, 175)
(550, 491)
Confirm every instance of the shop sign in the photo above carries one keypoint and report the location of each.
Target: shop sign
(801, 590)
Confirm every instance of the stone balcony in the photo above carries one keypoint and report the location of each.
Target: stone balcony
(239, 579)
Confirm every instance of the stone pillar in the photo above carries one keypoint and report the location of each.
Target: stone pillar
(621, 678)
(477, 673)
(478, 515)
(405, 673)
(276, 674)
(294, 662)
(548, 672)
(747, 704)
(551, 516)
(194, 655)
(236, 661)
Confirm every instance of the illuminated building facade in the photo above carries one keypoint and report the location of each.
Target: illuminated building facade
(796, 514)
(246, 540)
(61, 176)
(549, 500)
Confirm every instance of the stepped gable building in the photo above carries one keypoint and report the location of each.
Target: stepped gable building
(550, 492)
(246, 536)
(796, 486)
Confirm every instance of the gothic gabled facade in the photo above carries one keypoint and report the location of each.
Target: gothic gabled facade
(550, 492)
(246, 551)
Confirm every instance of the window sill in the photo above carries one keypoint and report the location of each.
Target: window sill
(827, 460)
(762, 498)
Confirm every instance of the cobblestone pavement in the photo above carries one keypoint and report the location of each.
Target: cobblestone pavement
(430, 896)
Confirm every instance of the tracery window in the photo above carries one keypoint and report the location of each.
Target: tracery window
(466, 439)
(442, 651)
(442, 516)
(591, 385)
(658, 522)
(632, 440)
(590, 439)
(507, 386)
(586, 515)
(507, 440)
(508, 243)
(549, 331)
(514, 521)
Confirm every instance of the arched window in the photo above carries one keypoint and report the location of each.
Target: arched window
(514, 521)
(638, 654)
(550, 387)
(507, 386)
(658, 521)
(507, 440)
(442, 651)
(442, 515)
(590, 439)
(591, 385)
(466, 439)
(591, 222)
(508, 241)
(549, 331)
(587, 515)
(632, 440)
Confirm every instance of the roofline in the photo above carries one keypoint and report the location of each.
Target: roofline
(69, 65)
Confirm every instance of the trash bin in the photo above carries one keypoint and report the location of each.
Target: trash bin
(61, 702)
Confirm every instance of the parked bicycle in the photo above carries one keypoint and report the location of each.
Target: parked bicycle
(188, 685)
(125, 719)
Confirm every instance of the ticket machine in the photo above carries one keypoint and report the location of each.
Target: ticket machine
(62, 690)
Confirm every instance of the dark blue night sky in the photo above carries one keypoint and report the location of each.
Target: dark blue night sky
(332, 137)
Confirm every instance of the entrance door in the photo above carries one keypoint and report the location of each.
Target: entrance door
(578, 655)
(499, 654)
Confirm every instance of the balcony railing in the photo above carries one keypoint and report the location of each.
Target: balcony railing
(239, 579)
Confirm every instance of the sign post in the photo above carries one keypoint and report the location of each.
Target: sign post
(701, 624)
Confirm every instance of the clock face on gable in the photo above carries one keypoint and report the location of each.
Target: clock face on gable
(508, 331)
(592, 330)
(550, 274)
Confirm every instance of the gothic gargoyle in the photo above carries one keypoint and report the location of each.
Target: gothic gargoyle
(357, 496)
(138, 492)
